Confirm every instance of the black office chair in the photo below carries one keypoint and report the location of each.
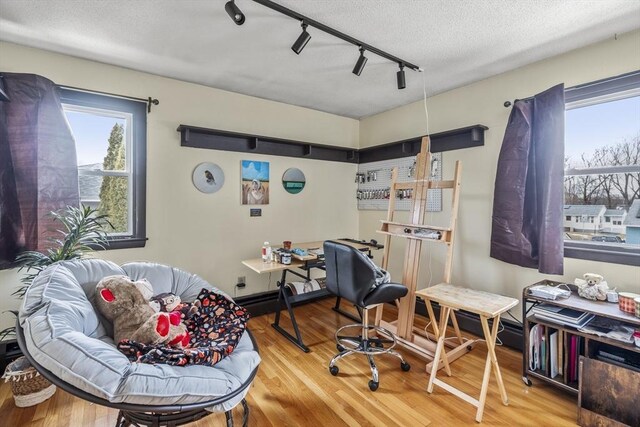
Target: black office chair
(351, 276)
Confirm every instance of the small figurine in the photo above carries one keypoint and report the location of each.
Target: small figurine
(592, 287)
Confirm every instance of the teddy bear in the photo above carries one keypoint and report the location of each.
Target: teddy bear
(126, 303)
(592, 287)
(169, 302)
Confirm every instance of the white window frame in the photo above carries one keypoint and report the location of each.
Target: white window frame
(128, 157)
(134, 111)
(612, 89)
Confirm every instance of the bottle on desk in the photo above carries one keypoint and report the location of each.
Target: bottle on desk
(266, 252)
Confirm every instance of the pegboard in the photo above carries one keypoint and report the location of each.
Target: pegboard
(383, 170)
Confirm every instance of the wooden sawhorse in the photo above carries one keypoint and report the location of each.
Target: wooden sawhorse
(487, 306)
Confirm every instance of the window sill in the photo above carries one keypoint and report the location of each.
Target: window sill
(614, 254)
(125, 243)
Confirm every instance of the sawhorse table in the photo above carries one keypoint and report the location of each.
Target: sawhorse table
(487, 306)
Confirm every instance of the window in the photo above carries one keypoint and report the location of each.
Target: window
(110, 134)
(567, 218)
(602, 170)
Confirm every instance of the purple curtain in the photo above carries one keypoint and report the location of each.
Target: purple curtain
(38, 166)
(527, 228)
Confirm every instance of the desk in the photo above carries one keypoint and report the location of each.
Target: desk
(305, 263)
(487, 306)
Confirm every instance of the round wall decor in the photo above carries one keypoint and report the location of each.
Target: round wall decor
(208, 177)
(293, 180)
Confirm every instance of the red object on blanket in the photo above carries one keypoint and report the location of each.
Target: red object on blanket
(163, 326)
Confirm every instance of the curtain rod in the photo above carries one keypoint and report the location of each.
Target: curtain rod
(622, 82)
(322, 27)
(149, 101)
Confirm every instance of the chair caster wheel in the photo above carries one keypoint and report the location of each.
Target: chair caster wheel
(405, 366)
(373, 386)
(340, 347)
(334, 370)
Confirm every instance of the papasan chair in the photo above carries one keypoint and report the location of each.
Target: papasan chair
(68, 342)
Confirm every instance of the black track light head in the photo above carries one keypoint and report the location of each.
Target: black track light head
(360, 63)
(302, 40)
(402, 83)
(234, 12)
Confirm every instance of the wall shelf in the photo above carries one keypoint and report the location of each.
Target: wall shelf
(456, 139)
(214, 139)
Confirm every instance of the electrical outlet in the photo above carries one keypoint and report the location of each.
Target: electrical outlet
(241, 279)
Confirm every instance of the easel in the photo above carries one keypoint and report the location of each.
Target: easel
(410, 337)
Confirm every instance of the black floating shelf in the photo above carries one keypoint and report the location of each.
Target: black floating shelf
(197, 137)
(192, 136)
(472, 136)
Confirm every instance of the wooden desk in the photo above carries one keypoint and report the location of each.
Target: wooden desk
(259, 266)
(487, 306)
(305, 263)
(297, 261)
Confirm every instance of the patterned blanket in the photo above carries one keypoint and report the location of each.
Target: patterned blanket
(215, 328)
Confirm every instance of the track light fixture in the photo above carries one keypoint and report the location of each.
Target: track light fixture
(402, 83)
(234, 12)
(302, 40)
(360, 63)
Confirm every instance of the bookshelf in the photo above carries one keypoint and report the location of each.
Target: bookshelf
(573, 343)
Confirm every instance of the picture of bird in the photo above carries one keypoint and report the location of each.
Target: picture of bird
(210, 179)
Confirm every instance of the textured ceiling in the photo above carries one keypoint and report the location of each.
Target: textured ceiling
(456, 42)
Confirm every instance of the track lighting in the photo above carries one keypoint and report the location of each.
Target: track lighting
(234, 12)
(302, 40)
(402, 83)
(360, 63)
(304, 37)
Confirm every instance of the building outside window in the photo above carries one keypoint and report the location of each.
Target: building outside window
(602, 170)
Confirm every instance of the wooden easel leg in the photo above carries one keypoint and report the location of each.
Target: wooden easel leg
(378, 315)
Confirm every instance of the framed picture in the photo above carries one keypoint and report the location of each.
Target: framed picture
(255, 183)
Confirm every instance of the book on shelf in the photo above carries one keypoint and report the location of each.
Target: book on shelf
(619, 357)
(572, 375)
(536, 355)
(560, 352)
(561, 315)
(610, 328)
(543, 353)
(553, 354)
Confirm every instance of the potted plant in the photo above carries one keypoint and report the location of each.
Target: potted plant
(82, 231)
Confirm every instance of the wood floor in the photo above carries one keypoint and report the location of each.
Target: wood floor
(296, 389)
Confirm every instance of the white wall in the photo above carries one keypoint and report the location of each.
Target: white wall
(482, 102)
(209, 234)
